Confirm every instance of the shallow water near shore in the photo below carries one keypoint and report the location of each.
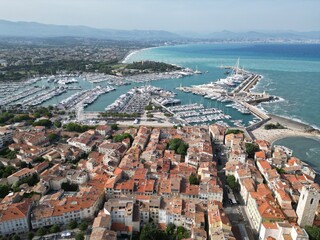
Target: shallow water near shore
(306, 149)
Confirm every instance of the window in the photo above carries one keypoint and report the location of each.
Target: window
(311, 201)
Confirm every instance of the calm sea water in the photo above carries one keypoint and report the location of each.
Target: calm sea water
(304, 148)
(290, 71)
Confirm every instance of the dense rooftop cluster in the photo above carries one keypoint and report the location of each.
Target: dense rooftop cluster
(126, 185)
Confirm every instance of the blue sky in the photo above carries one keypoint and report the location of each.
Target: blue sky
(171, 15)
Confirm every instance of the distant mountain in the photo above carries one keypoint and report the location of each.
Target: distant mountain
(32, 29)
(252, 35)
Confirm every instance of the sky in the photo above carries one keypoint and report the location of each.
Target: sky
(171, 15)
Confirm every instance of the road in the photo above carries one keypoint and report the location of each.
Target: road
(235, 212)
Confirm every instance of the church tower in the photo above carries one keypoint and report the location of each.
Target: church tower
(308, 204)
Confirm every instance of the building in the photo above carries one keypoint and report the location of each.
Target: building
(5, 137)
(14, 218)
(15, 177)
(61, 208)
(308, 204)
(217, 132)
(282, 231)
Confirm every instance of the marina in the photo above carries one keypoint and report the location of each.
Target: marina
(197, 113)
(85, 97)
(136, 99)
(72, 92)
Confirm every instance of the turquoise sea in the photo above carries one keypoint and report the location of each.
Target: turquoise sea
(290, 71)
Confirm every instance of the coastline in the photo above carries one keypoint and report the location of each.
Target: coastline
(133, 52)
(293, 129)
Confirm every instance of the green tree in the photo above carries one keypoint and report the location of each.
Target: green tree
(170, 229)
(54, 228)
(30, 180)
(151, 232)
(122, 136)
(7, 171)
(251, 148)
(43, 122)
(72, 225)
(182, 149)
(23, 164)
(53, 137)
(4, 190)
(193, 179)
(174, 143)
(114, 127)
(178, 145)
(83, 226)
(232, 183)
(313, 232)
(280, 170)
(41, 231)
(182, 233)
(234, 131)
(38, 160)
(148, 107)
(57, 124)
(80, 236)
(69, 187)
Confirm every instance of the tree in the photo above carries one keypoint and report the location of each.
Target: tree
(193, 179)
(83, 226)
(182, 233)
(69, 187)
(57, 124)
(122, 136)
(38, 160)
(313, 232)
(151, 232)
(114, 126)
(170, 229)
(30, 180)
(148, 107)
(54, 228)
(234, 131)
(4, 190)
(182, 149)
(251, 148)
(23, 164)
(53, 137)
(178, 145)
(43, 122)
(280, 170)
(233, 184)
(42, 231)
(80, 236)
(72, 225)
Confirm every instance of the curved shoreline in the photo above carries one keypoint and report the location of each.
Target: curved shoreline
(293, 129)
(133, 52)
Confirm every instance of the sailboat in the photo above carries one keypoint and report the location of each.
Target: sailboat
(197, 71)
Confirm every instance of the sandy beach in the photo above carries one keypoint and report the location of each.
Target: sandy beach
(293, 129)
